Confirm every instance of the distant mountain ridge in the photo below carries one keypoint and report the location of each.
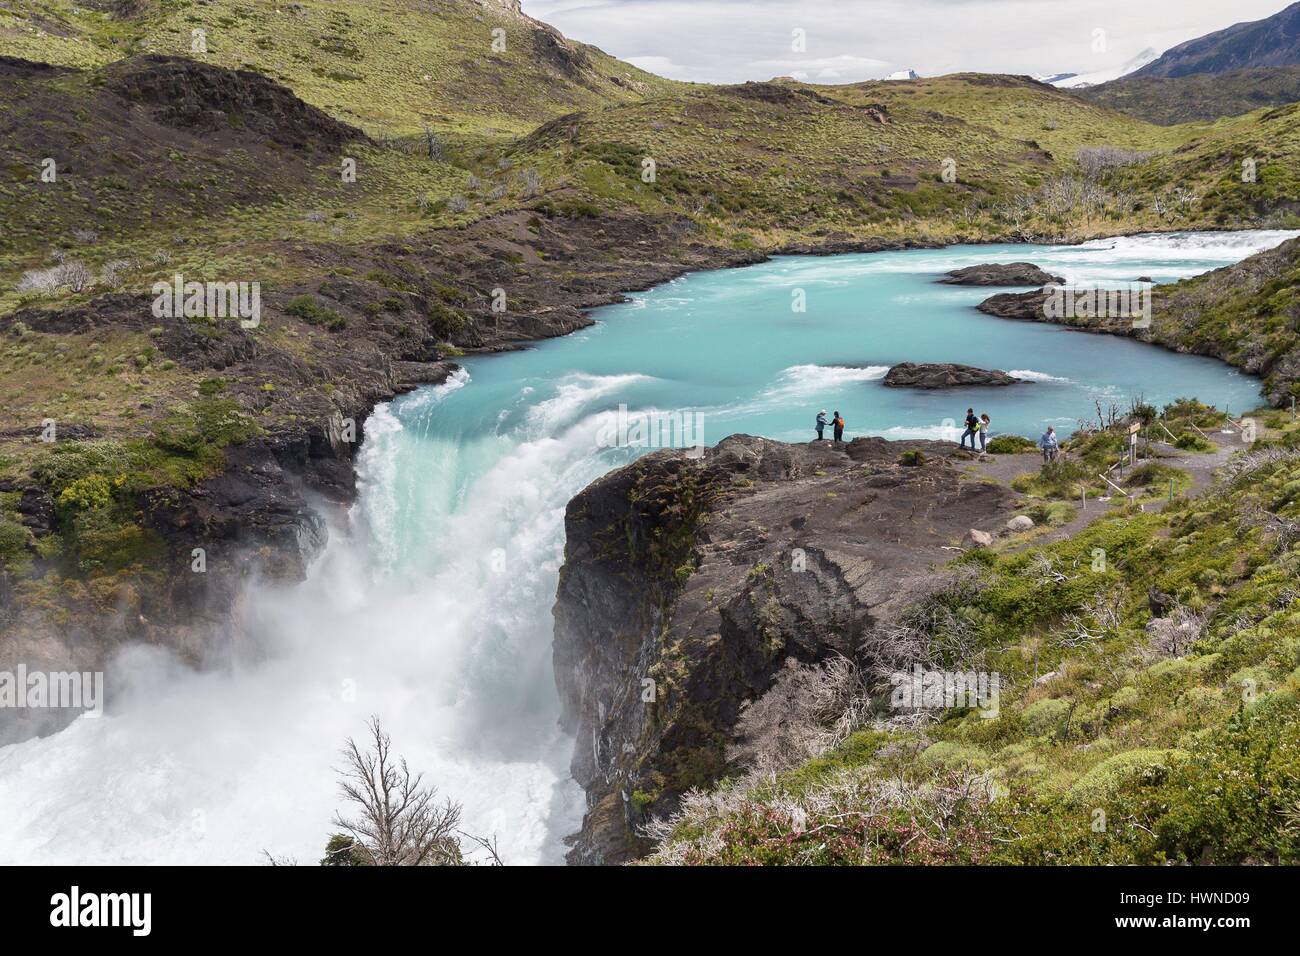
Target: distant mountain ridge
(1200, 96)
(1273, 41)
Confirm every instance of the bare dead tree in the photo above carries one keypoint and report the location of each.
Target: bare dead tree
(1043, 568)
(1174, 634)
(530, 182)
(488, 845)
(1095, 161)
(431, 142)
(399, 820)
(1100, 620)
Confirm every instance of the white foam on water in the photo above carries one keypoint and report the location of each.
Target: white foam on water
(1033, 376)
(449, 648)
(574, 395)
(940, 432)
(810, 379)
(1229, 246)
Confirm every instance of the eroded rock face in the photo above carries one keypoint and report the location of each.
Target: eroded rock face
(946, 375)
(1009, 273)
(689, 584)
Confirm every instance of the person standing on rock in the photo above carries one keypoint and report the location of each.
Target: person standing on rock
(972, 429)
(839, 427)
(1049, 445)
(821, 424)
(984, 432)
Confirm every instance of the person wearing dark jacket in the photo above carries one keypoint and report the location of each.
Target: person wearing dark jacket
(972, 429)
(839, 426)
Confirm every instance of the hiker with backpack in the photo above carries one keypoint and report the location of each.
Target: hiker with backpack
(838, 422)
(972, 429)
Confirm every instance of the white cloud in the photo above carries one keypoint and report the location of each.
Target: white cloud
(850, 40)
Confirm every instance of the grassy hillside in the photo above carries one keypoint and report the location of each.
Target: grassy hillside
(1148, 712)
(1247, 314)
(772, 163)
(389, 66)
(1199, 97)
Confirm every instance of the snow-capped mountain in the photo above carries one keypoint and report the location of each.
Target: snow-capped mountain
(1077, 80)
(1051, 79)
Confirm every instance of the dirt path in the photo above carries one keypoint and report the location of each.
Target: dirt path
(1200, 466)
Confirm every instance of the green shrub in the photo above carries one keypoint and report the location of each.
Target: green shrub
(1061, 479)
(87, 494)
(1145, 767)
(1191, 441)
(1237, 800)
(1051, 514)
(306, 308)
(1153, 473)
(1045, 717)
(14, 538)
(1010, 445)
(912, 458)
(946, 753)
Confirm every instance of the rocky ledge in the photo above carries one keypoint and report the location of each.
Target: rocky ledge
(1008, 273)
(946, 375)
(690, 583)
(1025, 306)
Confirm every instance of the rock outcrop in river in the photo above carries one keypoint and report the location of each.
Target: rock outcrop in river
(946, 375)
(689, 583)
(1000, 273)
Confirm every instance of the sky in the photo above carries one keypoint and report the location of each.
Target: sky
(846, 41)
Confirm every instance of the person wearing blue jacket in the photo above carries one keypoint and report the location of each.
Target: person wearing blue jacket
(821, 424)
(1049, 445)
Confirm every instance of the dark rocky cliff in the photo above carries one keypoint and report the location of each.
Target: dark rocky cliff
(689, 583)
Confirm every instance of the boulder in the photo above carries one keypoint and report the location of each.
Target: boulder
(1020, 523)
(1026, 306)
(945, 375)
(1005, 273)
(976, 538)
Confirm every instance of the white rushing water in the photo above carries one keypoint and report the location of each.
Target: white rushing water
(431, 604)
(425, 631)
